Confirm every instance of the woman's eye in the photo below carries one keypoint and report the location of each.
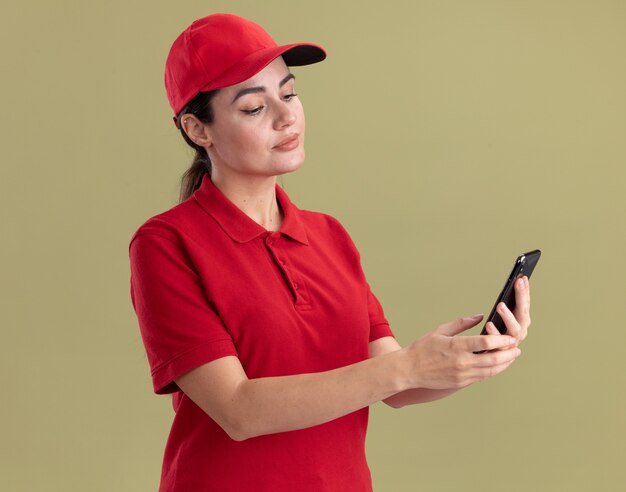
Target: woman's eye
(257, 110)
(253, 111)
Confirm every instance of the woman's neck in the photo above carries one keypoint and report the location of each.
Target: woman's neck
(254, 197)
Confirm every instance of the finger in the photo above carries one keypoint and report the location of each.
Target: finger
(489, 372)
(513, 327)
(498, 357)
(496, 362)
(459, 326)
(522, 301)
(488, 342)
(491, 329)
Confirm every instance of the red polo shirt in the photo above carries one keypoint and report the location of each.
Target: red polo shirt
(207, 282)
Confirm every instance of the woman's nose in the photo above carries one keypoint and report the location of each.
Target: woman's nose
(285, 116)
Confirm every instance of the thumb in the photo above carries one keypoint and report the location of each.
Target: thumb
(459, 325)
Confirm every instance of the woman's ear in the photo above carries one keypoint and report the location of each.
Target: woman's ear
(197, 131)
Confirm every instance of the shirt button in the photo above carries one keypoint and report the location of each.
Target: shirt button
(295, 286)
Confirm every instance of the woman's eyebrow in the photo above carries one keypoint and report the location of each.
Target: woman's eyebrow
(253, 90)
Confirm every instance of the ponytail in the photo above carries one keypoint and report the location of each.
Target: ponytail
(192, 178)
(200, 107)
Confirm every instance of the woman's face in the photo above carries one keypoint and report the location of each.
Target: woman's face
(258, 127)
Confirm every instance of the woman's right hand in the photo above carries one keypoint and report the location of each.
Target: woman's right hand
(443, 360)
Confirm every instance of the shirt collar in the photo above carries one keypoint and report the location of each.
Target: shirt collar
(237, 224)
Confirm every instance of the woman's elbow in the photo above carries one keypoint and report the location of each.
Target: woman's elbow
(235, 426)
(394, 403)
(237, 429)
(236, 435)
(241, 426)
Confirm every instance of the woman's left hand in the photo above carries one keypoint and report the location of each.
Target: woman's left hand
(518, 321)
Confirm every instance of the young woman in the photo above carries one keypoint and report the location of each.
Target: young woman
(257, 315)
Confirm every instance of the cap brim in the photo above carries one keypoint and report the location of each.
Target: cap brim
(303, 54)
(296, 54)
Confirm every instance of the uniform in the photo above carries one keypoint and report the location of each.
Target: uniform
(207, 282)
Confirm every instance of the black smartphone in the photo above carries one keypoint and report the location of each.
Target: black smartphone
(524, 265)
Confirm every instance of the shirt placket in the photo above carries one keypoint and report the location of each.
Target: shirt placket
(295, 282)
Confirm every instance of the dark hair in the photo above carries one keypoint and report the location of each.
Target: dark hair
(200, 107)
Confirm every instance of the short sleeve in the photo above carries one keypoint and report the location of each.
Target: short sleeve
(379, 326)
(179, 327)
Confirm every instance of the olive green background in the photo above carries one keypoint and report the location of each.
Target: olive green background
(447, 136)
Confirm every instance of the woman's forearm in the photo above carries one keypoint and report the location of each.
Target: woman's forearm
(279, 404)
(439, 360)
(417, 395)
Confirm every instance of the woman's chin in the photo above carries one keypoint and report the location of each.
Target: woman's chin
(291, 165)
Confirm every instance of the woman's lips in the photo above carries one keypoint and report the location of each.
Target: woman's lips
(290, 143)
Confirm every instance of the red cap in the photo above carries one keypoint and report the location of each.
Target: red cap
(221, 50)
